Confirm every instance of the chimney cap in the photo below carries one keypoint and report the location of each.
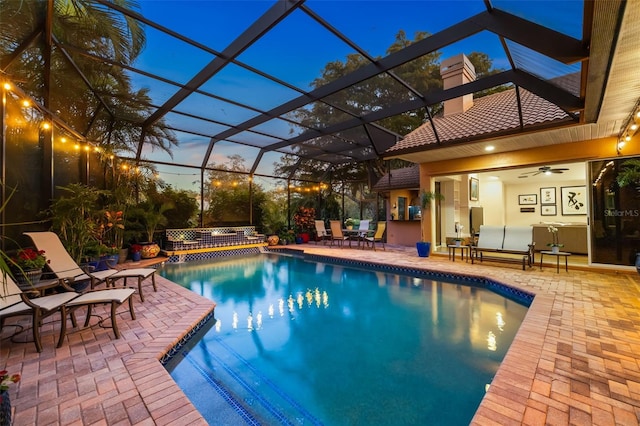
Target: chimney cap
(456, 64)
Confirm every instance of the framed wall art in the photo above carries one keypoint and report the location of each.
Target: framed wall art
(548, 195)
(549, 210)
(573, 200)
(474, 189)
(528, 199)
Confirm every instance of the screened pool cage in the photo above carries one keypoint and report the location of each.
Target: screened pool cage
(251, 109)
(41, 155)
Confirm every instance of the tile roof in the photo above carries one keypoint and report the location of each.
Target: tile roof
(408, 177)
(489, 116)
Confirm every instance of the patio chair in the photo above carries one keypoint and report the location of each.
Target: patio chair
(378, 236)
(321, 232)
(363, 230)
(336, 232)
(64, 267)
(16, 302)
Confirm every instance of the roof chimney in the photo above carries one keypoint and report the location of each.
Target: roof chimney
(456, 71)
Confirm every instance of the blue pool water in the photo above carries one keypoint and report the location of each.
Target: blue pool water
(300, 342)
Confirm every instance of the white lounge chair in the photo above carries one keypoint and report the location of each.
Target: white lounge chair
(15, 302)
(64, 267)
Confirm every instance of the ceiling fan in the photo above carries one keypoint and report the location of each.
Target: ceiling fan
(547, 170)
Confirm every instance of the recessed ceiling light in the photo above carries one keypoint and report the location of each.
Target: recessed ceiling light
(489, 148)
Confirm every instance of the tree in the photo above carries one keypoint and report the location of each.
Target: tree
(422, 74)
(107, 110)
(228, 193)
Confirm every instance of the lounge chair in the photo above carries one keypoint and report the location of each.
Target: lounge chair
(336, 232)
(321, 232)
(15, 302)
(378, 237)
(64, 267)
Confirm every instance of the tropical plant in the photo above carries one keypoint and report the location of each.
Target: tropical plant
(153, 216)
(304, 219)
(75, 79)
(75, 216)
(5, 260)
(426, 198)
(629, 173)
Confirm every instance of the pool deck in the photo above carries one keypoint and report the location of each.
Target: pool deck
(575, 359)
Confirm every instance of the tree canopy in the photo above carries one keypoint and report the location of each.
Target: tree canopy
(406, 82)
(86, 87)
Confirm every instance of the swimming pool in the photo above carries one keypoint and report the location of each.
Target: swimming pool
(300, 342)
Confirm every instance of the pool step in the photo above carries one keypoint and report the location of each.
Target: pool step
(255, 398)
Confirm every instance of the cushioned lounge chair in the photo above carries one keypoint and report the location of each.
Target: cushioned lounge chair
(15, 302)
(64, 267)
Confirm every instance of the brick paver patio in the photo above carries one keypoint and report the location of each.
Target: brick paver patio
(575, 360)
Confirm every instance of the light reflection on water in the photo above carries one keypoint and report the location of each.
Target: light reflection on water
(325, 343)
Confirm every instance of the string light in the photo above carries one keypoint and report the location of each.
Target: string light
(629, 129)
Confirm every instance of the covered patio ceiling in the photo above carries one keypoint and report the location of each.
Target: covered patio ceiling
(234, 78)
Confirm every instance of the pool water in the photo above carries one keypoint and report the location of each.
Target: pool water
(300, 342)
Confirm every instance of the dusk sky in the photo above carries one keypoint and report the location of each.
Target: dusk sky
(295, 51)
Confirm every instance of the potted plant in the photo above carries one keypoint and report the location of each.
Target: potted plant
(304, 220)
(287, 236)
(426, 198)
(26, 266)
(136, 252)
(458, 239)
(349, 223)
(152, 216)
(5, 403)
(555, 245)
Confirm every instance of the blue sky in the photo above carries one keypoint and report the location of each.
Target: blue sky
(298, 49)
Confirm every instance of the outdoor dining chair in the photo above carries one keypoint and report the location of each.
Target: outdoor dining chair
(378, 236)
(336, 232)
(321, 232)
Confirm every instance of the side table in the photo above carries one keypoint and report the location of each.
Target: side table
(452, 252)
(557, 255)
